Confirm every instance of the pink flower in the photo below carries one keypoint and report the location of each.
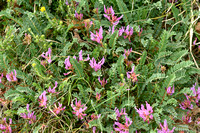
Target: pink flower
(68, 65)
(81, 57)
(111, 30)
(122, 128)
(187, 119)
(11, 77)
(98, 37)
(194, 43)
(96, 66)
(78, 16)
(47, 55)
(127, 53)
(131, 75)
(109, 10)
(186, 104)
(53, 90)
(30, 116)
(88, 24)
(1, 77)
(103, 82)
(78, 109)
(98, 96)
(128, 32)
(145, 114)
(121, 31)
(57, 110)
(119, 114)
(170, 90)
(43, 100)
(164, 128)
(95, 117)
(139, 34)
(5, 126)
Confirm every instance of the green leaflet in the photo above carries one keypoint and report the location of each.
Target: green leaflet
(120, 66)
(113, 39)
(77, 67)
(124, 10)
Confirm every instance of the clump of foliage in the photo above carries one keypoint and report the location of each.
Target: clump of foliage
(99, 66)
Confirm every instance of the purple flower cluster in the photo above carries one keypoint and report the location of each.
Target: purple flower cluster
(96, 66)
(78, 16)
(145, 114)
(97, 37)
(78, 109)
(122, 128)
(164, 128)
(30, 116)
(11, 77)
(170, 90)
(128, 32)
(131, 75)
(186, 103)
(43, 100)
(127, 53)
(119, 114)
(103, 82)
(187, 119)
(47, 56)
(5, 127)
(57, 110)
(110, 15)
(53, 89)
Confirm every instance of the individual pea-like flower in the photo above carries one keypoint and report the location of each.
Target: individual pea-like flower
(53, 89)
(109, 10)
(111, 30)
(186, 103)
(81, 57)
(88, 24)
(187, 119)
(129, 33)
(194, 43)
(78, 109)
(94, 64)
(103, 82)
(119, 114)
(78, 16)
(68, 65)
(5, 127)
(121, 30)
(66, 2)
(11, 77)
(122, 128)
(164, 128)
(57, 110)
(170, 90)
(173, 1)
(127, 53)
(42, 9)
(1, 77)
(131, 75)
(196, 94)
(47, 55)
(43, 100)
(30, 116)
(145, 114)
(97, 37)
(98, 96)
